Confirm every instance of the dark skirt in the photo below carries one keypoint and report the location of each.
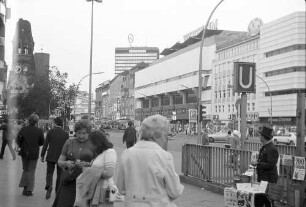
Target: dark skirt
(65, 195)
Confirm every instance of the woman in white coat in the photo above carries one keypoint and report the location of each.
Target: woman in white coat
(147, 175)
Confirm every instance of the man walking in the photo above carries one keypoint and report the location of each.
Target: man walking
(7, 138)
(54, 142)
(129, 135)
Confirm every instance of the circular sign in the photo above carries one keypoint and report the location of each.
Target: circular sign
(254, 26)
(130, 38)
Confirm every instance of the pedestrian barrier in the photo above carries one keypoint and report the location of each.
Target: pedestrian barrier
(282, 149)
(220, 166)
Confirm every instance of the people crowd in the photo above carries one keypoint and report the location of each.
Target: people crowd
(85, 164)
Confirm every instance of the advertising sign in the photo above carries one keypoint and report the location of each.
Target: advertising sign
(244, 77)
(299, 168)
(192, 115)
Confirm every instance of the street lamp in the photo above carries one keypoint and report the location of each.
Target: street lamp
(200, 70)
(77, 88)
(270, 98)
(90, 61)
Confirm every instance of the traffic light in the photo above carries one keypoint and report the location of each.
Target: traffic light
(202, 112)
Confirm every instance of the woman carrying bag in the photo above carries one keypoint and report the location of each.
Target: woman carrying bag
(94, 183)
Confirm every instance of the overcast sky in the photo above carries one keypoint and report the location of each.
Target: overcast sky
(62, 27)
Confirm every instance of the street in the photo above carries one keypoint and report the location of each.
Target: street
(10, 172)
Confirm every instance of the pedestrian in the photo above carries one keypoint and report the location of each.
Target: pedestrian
(235, 141)
(129, 135)
(7, 138)
(205, 139)
(76, 154)
(29, 139)
(95, 179)
(146, 174)
(54, 142)
(228, 139)
(266, 164)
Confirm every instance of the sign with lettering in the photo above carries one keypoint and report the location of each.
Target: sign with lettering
(299, 168)
(192, 115)
(244, 77)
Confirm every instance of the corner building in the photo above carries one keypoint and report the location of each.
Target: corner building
(282, 64)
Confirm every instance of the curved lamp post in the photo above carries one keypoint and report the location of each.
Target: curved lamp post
(77, 88)
(200, 70)
(270, 97)
(90, 61)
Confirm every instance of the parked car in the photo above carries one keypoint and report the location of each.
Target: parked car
(287, 138)
(217, 137)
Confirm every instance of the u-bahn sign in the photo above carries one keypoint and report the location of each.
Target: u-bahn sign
(244, 77)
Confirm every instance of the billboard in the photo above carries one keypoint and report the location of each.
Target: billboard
(244, 77)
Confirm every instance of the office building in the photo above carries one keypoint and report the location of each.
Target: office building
(127, 57)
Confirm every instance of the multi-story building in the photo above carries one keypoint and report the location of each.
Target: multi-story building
(3, 66)
(114, 98)
(80, 107)
(42, 64)
(244, 48)
(127, 57)
(282, 64)
(170, 85)
(127, 109)
(102, 97)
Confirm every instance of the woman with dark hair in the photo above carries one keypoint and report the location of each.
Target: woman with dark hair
(29, 139)
(76, 154)
(93, 182)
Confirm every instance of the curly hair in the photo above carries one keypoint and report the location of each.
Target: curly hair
(99, 140)
(83, 124)
(153, 127)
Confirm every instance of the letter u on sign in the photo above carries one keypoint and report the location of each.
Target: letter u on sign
(244, 79)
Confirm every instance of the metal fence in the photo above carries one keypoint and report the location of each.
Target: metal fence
(220, 165)
(282, 149)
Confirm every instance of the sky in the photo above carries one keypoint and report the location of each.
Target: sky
(62, 27)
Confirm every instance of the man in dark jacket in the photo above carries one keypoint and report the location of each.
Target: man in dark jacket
(7, 138)
(130, 135)
(54, 142)
(29, 139)
(267, 160)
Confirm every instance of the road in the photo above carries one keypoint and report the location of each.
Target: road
(10, 172)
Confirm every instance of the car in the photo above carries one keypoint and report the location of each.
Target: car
(219, 137)
(287, 138)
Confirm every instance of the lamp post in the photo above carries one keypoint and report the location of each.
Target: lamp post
(270, 98)
(90, 61)
(77, 88)
(200, 71)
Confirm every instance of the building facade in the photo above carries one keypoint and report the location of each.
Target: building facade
(3, 66)
(170, 85)
(244, 48)
(42, 61)
(102, 97)
(127, 57)
(80, 107)
(282, 64)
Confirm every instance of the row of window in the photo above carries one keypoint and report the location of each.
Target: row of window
(227, 67)
(284, 92)
(136, 55)
(135, 58)
(286, 70)
(238, 50)
(132, 61)
(232, 108)
(285, 50)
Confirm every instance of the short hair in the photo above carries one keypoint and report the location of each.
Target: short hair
(58, 121)
(99, 141)
(229, 132)
(33, 119)
(130, 123)
(83, 124)
(153, 127)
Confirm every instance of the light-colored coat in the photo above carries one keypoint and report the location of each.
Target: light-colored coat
(147, 176)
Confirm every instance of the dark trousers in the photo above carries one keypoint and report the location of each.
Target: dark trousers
(129, 144)
(28, 175)
(49, 175)
(10, 145)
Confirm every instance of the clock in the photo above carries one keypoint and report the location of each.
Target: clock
(254, 26)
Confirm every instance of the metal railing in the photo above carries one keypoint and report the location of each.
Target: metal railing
(282, 149)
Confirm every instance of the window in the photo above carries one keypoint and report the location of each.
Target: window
(253, 106)
(286, 70)
(228, 92)
(285, 50)
(220, 94)
(222, 108)
(224, 94)
(216, 109)
(233, 107)
(248, 106)
(219, 108)
(229, 108)
(216, 94)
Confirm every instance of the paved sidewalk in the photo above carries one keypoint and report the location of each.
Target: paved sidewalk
(10, 194)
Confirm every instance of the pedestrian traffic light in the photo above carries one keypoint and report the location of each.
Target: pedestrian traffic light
(202, 112)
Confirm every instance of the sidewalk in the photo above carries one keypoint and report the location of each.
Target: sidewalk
(10, 193)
